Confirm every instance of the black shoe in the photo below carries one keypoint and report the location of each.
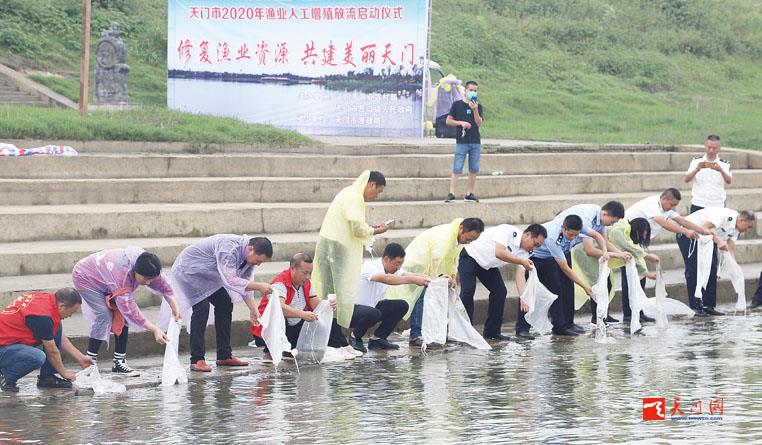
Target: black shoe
(565, 331)
(754, 305)
(381, 343)
(700, 312)
(119, 366)
(713, 311)
(450, 197)
(7, 386)
(610, 319)
(357, 344)
(470, 198)
(52, 381)
(416, 341)
(499, 337)
(646, 319)
(524, 334)
(576, 328)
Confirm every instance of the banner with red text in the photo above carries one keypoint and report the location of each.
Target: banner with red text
(321, 67)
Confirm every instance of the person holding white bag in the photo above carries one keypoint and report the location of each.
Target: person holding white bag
(725, 225)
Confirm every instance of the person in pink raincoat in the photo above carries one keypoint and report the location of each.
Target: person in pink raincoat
(106, 281)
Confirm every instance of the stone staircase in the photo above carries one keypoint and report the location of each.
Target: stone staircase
(11, 95)
(58, 210)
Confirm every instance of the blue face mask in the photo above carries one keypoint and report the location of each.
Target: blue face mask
(471, 95)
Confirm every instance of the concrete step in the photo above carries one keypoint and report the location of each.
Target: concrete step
(15, 95)
(308, 166)
(37, 223)
(142, 344)
(266, 189)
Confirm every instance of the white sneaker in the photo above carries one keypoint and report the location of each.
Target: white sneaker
(348, 352)
(333, 355)
(353, 351)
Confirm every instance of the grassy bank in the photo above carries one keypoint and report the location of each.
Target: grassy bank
(150, 124)
(661, 71)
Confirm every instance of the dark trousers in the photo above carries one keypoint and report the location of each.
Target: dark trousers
(223, 317)
(363, 318)
(120, 343)
(550, 275)
(567, 293)
(468, 271)
(292, 333)
(594, 305)
(758, 293)
(392, 312)
(709, 295)
(626, 294)
(695, 208)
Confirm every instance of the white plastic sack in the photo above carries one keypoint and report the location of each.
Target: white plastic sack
(704, 250)
(313, 338)
(172, 371)
(90, 377)
(655, 306)
(434, 326)
(274, 329)
(459, 326)
(730, 270)
(539, 299)
(601, 289)
(636, 294)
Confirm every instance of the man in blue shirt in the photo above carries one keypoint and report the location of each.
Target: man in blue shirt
(553, 261)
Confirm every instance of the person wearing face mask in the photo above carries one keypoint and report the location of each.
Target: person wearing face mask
(106, 281)
(709, 174)
(433, 253)
(484, 258)
(467, 115)
(372, 306)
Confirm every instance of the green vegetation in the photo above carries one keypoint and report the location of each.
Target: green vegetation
(661, 71)
(151, 124)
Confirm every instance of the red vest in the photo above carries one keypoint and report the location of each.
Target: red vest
(13, 328)
(285, 278)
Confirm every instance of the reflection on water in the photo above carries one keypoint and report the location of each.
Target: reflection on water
(550, 390)
(307, 108)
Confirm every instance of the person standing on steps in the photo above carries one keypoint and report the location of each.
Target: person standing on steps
(467, 115)
(709, 174)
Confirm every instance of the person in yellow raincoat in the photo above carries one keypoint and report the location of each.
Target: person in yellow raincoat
(631, 238)
(338, 253)
(433, 253)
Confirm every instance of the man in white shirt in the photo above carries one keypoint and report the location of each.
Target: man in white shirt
(725, 226)
(709, 174)
(660, 212)
(484, 258)
(376, 276)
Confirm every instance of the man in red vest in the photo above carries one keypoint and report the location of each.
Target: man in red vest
(298, 298)
(33, 319)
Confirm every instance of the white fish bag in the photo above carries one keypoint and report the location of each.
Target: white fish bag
(636, 294)
(313, 338)
(601, 289)
(459, 326)
(539, 299)
(434, 326)
(655, 307)
(730, 269)
(91, 378)
(172, 371)
(274, 329)
(704, 250)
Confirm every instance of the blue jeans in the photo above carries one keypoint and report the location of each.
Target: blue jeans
(474, 155)
(416, 317)
(18, 360)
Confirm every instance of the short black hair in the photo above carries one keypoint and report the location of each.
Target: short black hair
(377, 178)
(471, 224)
(262, 246)
(672, 193)
(614, 208)
(573, 222)
(748, 215)
(394, 250)
(640, 231)
(298, 259)
(471, 82)
(537, 230)
(148, 265)
(712, 137)
(68, 296)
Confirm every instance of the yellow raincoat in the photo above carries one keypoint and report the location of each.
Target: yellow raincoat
(586, 267)
(434, 252)
(338, 253)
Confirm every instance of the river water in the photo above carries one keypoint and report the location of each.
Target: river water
(559, 390)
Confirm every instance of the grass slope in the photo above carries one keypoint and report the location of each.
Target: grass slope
(661, 71)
